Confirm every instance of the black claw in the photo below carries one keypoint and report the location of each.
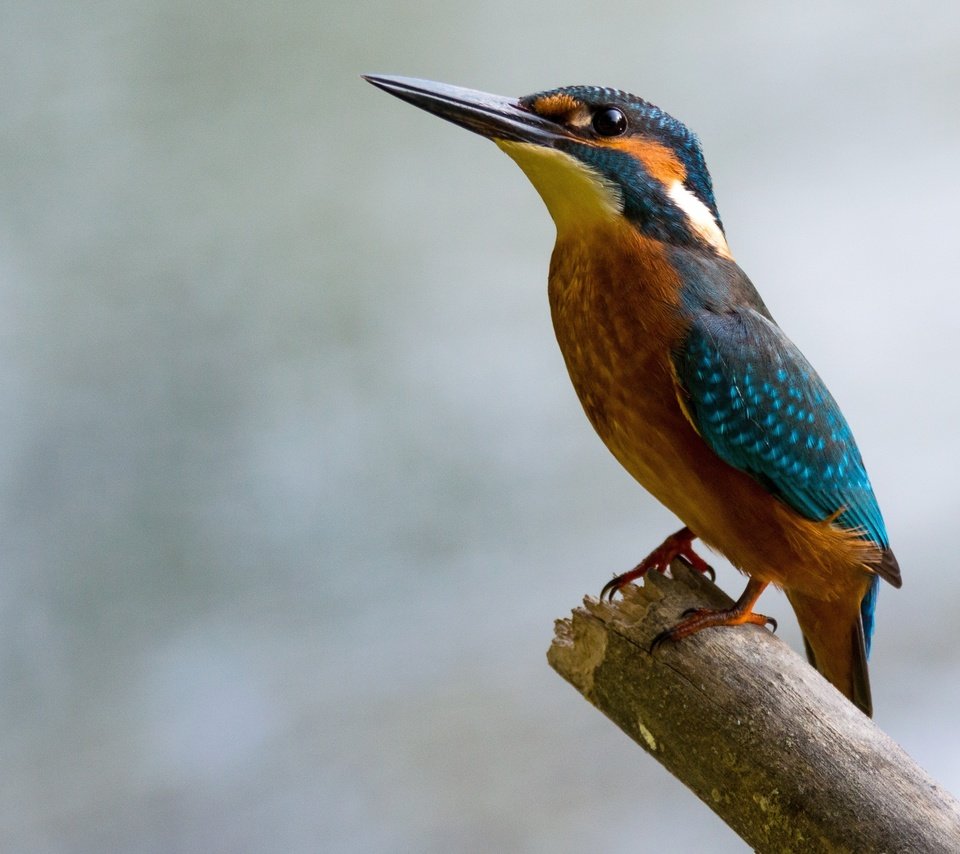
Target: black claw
(710, 572)
(660, 640)
(609, 589)
(773, 623)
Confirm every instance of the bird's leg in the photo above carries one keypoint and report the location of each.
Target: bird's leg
(704, 618)
(678, 545)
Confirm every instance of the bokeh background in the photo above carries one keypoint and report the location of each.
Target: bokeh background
(292, 480)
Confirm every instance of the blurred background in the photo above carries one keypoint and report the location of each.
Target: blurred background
(292, 480)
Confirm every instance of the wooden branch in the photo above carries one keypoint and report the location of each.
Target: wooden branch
(757, 734)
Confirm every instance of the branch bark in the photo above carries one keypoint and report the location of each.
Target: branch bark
(770, 746)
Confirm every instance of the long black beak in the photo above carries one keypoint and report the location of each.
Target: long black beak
(491, 116)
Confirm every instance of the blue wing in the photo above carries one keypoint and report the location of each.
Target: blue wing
(762, 408)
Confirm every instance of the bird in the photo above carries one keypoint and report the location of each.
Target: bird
(682, 370)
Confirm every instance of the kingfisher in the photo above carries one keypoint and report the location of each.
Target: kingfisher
(682, 370)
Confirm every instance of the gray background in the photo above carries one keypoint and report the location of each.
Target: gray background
(292, 481)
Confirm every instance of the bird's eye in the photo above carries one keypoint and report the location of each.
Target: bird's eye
(609, 121)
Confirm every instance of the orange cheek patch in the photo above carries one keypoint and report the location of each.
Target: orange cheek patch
(657, 160)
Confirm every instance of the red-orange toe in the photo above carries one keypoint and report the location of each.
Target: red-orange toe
(704, 618)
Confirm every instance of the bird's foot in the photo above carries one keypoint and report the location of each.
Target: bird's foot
(704, 618)
(678, 545)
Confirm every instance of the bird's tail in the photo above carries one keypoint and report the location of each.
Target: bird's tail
(833, 637)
